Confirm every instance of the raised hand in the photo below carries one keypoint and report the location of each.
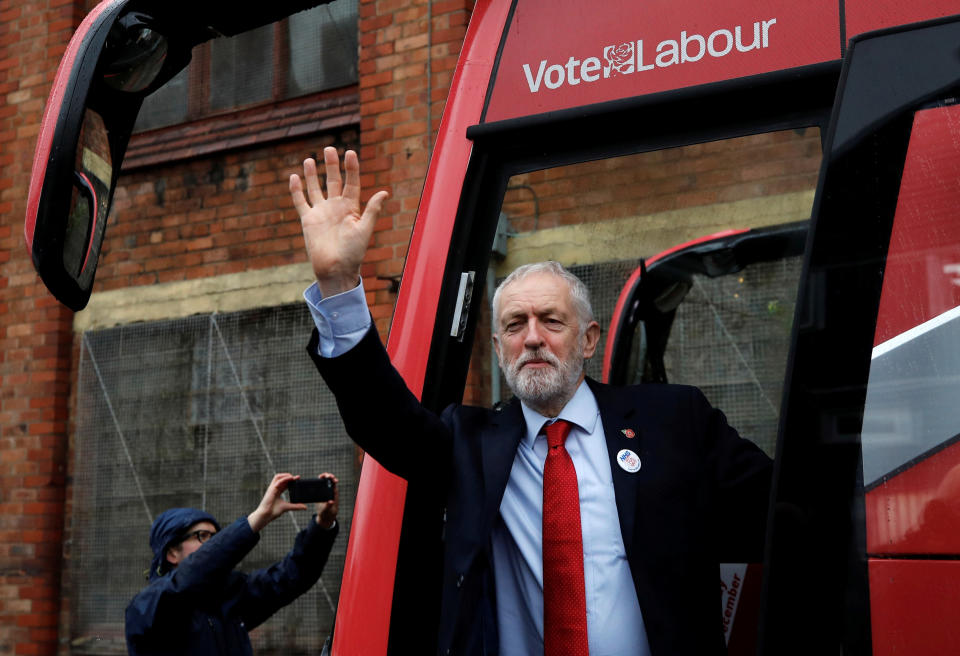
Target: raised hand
(272, 505)
(335, 231)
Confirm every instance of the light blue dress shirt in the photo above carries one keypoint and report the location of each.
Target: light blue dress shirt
(614, 622)
(342, 320)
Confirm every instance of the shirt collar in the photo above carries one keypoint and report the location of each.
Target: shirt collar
(582, 411)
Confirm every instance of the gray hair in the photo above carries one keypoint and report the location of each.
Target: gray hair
(579, 294)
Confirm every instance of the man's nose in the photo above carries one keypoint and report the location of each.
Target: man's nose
(533, 337)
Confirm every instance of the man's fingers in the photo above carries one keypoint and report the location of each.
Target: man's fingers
(374, 206)
(332, 163)
(351, 165)
(296, 194)
(314, 193)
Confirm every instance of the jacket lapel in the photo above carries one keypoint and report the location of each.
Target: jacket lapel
(621, 427)
(498, 448)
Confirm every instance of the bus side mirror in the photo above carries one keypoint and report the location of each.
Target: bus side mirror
(122, 51)
(116, 57)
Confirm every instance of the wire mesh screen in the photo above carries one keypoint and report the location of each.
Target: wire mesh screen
(199, 412)
(731, 337)
(604, 280)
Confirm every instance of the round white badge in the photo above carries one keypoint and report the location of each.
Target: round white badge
(628, 460)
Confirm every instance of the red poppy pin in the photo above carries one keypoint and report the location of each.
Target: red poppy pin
(628, 432)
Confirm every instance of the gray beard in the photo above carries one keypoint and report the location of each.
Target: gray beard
(544, 386)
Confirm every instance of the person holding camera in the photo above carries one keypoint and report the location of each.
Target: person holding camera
(196, 603)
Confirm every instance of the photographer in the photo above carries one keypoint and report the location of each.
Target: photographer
(195, 602)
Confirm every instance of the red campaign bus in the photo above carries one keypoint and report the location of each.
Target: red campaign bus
(760, 196)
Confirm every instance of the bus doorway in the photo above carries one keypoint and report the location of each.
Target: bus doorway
(713, 311)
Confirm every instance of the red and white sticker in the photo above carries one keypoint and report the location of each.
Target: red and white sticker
(628, 461)
(732, 576)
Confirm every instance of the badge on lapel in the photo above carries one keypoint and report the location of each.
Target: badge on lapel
(627, 432)
(628, 461)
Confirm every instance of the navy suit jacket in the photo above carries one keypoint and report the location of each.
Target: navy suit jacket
(699, 498)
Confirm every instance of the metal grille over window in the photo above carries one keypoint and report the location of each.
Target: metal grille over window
(731, 337)
(604, 280)
(199, 412)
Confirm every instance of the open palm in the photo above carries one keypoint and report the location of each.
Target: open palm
(335, 231)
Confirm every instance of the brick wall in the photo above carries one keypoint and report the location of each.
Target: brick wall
(397, 78)
(35, 341)
(726, 171)
(199, 216)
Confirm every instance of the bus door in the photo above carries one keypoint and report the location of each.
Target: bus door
(716, 312)
(863, 546)
(607, 195)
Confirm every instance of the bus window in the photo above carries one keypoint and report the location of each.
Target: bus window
(601, 218)
(716, 312)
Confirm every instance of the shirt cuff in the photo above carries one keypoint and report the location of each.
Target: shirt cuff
(341, 320)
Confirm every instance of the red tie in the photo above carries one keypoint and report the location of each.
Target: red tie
(564, 600)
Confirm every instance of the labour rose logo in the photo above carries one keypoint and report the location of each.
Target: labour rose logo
(620, 59)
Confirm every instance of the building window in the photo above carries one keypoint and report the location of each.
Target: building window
(199, 412)
(311, 51)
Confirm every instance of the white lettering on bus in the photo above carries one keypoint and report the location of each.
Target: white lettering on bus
(628, 58)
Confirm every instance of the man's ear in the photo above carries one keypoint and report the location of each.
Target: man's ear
(591, 337)
(496, 348)
(173, 556)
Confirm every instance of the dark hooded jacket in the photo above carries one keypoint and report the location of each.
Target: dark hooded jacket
(204, 607)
